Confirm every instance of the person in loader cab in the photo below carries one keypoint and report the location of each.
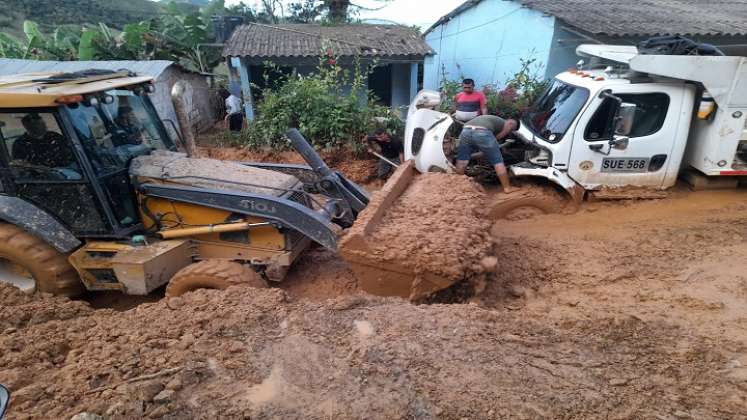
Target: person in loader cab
(39, 146)
(391, 147)
(482, 134)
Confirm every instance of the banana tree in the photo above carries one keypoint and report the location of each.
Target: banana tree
(11, 47)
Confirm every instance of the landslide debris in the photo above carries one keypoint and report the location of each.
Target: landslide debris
(434, 235)
(247, 353)
(437, 225)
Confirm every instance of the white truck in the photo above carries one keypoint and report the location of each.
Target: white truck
(628, 122)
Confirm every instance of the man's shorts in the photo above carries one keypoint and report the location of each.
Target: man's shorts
(472, 140)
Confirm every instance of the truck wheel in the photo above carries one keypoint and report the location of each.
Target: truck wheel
(33, 265)
(212, 274)
(529, 201)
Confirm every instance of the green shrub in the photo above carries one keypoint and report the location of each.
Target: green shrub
(331, 107)
(509, 99)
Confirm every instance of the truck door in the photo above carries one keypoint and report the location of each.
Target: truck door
(643, 156)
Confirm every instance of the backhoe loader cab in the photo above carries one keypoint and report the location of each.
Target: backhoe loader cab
(94, 194)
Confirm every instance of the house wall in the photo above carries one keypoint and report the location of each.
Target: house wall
(404, 80)
(562, 55)
(486, 43)
(203, 109)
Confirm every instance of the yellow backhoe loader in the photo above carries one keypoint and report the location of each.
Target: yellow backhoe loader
(94, 195)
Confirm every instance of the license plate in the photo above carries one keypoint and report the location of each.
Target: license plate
(625, 165)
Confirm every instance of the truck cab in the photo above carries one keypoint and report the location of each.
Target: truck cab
(572, 130)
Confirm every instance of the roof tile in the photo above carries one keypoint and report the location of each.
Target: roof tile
(310, 40)
(649, 17)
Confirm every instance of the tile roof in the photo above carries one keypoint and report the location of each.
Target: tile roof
(309, 40)
(638, 17)
(649, 17)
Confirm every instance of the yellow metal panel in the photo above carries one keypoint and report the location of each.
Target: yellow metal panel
(189, 215)
(138, 269)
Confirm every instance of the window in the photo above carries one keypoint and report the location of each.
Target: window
(36, 149)
(120, 126)
(555, 111)
(113, 133)
(651, 111)
(45, 171)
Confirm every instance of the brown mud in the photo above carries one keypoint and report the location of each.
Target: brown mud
(438, 241)
(624, 310)
(358, 170)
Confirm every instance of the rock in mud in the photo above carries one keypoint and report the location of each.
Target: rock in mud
(86, 416)
(163, 397)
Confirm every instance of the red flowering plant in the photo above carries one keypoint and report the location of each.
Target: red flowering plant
(518, 93)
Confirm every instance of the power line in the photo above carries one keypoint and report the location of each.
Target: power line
(480, 25)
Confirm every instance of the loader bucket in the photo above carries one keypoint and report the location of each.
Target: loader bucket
(377, 274)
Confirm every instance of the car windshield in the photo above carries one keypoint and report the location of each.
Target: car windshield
(554, 112)
(118, 126)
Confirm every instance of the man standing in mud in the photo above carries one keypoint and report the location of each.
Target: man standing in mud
(482, 134)
(391, 147)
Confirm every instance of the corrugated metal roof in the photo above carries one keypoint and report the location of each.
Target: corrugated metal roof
(310, 40)
(638, 17)
(9, 66)
(649, 17)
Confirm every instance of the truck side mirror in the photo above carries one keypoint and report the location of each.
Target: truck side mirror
(624, 119)
(4, 400)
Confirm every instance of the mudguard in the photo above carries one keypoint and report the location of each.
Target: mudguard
(37, 222)
(286, 213)
(552, 175)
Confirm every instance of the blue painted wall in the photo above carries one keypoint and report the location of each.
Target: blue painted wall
(486, 42)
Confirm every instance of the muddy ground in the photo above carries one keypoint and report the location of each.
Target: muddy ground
(625, 310)
(356, 167)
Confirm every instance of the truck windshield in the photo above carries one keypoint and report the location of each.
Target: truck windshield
(116, 128)
(555, 110)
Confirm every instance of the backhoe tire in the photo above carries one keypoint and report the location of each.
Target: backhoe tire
(212, 274)
(528, 201)
(51, 271)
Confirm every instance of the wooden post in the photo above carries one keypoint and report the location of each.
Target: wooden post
(182, 115)
(413, 80)
(246, 86)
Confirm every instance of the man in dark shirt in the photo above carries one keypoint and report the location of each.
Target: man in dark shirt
(129, 124)
(41, 147)
(482, 134)
(391, 148)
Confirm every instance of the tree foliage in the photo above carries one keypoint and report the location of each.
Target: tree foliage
(170, 36)
(176, 31)
(50, 14)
